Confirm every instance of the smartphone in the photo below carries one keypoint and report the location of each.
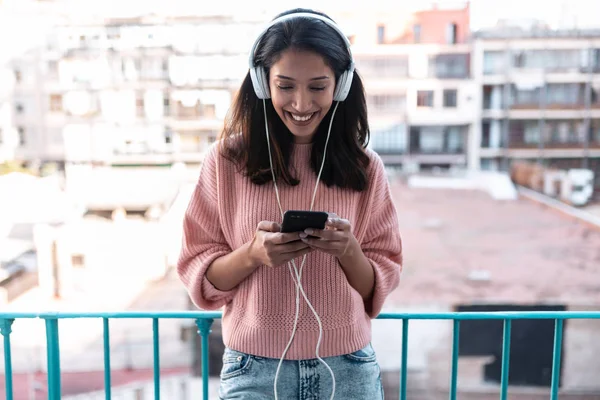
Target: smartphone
(298, 221)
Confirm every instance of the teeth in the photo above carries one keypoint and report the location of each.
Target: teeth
(299, 118)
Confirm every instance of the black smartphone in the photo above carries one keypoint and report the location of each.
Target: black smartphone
(298, 221)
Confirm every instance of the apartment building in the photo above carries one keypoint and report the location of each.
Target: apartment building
(538, 97)
(155, 90)
(141, 90)
(419, 92)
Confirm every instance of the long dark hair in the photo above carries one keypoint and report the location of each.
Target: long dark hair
(346, 162)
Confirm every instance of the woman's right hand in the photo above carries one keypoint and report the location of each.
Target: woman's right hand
(272, 248)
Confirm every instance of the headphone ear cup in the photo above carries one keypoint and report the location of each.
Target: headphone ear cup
(343, 86)
(256, 83)
(260, 83)
(265, 83)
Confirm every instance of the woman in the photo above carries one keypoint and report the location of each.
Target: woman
(294, 332)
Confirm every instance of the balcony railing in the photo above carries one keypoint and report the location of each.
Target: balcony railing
(204, 321)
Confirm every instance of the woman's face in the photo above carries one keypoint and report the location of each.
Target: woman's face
(302, 87)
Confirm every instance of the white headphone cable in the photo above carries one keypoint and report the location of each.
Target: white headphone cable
(297, 274)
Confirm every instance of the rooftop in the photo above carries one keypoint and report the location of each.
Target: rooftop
(462, 246)
(536, 32)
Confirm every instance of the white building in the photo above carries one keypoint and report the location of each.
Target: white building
(538, 97)
(129, 91)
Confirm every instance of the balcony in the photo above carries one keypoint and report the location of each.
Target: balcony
(204, 321)
(449, 66)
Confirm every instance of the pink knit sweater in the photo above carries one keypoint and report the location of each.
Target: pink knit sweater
(258, 314)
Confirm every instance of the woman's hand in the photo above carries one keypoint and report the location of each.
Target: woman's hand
(273, 248)
(336, 239)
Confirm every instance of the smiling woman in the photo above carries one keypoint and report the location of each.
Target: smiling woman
(299, 123)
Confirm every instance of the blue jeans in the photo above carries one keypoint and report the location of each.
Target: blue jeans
(248, 377)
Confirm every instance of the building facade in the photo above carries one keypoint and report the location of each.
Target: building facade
(538, 98)
(129, 91)
(420, 93)
(155, 90)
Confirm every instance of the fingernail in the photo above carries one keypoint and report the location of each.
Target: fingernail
(303, 235)
(308, 230)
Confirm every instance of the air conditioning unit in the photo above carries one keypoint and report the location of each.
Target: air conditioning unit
(577, 187)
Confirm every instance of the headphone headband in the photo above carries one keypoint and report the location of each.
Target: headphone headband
(258, 75)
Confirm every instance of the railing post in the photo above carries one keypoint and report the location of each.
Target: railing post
(558, 336)
(106, 342)
(5, 330)
(156, 357)
(204, 325)
(454, 376)
(404, 361)
(505, 359)
(53, 353)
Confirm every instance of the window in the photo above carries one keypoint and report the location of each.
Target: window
(494, 62)
(449, 66)
(166, 104)
(531, 132)
(78, 261)
(53, 69)
(209, 111)
(485, 134)
(595, 59)
(139, 105)
(453, 139)
(56, 102)
(21, 132)
(450, 98)
(19, 108)
(388, 66)
(380, 34)
(451, 33)
(425, 98)
(386, 102)
(417, 33)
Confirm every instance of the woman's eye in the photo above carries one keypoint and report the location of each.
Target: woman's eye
(284, 87)
(318, 89)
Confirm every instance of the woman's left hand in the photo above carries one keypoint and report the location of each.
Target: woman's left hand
(336, 239)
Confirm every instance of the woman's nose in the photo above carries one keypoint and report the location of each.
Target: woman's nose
(302, 101)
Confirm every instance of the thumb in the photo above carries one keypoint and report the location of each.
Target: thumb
(269, 226)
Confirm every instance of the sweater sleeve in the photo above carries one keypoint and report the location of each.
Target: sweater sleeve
(203, 239)
(382, 243)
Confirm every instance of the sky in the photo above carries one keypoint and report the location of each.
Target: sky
(484, 13)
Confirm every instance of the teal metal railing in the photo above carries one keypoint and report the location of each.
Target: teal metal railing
(204, 321)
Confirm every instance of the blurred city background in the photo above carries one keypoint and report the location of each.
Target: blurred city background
(486, 114)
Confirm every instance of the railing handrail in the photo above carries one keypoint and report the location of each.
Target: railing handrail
(204, 320)
(449, 315)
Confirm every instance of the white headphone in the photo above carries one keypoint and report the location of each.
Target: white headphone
(258, 74)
